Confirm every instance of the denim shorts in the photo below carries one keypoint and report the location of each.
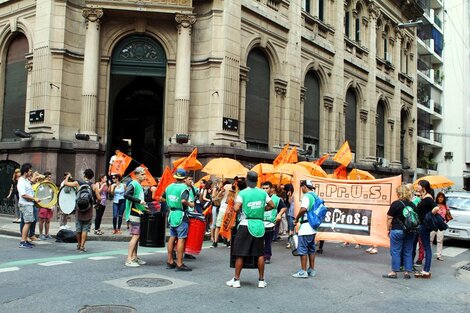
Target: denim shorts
(28, 212)
(306, 245)
(290, 223)
(82, 226)
(181, 231)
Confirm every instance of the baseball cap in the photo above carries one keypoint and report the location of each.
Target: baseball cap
(180, 174)
(251, 179)
(307, 183)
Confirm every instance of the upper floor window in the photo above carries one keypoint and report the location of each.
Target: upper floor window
(315, 8)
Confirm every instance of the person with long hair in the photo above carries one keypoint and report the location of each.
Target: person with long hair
(443, 208)
(401, 242)
(101, 194)
(426, 205)
(13, 194)
(119, 203)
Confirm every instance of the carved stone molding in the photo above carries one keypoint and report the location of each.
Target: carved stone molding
(391, 122)
(93, 15)
(374, 11)
(185, 21)
(29, 66)
(244, 73)
(302, 94)
(280, 86)
(345, 107)
(411, 131)
(328, 102)
(363, 113)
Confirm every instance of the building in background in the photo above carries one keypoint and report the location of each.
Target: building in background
(238, 78)
(454, 157)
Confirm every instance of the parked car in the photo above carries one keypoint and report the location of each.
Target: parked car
(459, 205)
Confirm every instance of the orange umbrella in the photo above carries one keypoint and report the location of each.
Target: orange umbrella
(225, 167)
(356, 174)
(206, 178)
(284, 173)
(313, 168)
(436, 181)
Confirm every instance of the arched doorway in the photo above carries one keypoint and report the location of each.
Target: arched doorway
(137, 88)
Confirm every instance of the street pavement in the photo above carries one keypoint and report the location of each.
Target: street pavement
(54, 277)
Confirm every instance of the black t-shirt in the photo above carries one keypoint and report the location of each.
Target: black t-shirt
(396, 210)
(426, 205)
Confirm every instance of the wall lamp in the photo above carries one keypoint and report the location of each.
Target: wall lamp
(410, 24)
(182, 138)
(22, 134)
(86, 137)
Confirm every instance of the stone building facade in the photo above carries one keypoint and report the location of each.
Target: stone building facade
(242, 78)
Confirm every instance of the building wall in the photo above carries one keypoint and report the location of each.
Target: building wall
(294, 41)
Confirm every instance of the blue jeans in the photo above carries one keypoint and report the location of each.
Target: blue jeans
(118, 211)
(424, 234)
(401, 243)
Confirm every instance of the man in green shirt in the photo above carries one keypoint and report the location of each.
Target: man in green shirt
(178, 200)
(252, 202)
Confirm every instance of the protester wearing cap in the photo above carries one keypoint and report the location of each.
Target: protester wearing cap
(252, 202)
(135, 206)
(176, 196)
(306, 242)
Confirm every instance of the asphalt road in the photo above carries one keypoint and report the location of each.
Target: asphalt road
(54, 277)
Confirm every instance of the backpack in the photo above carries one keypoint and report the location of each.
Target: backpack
(317, 212)
(66, 236)
(411, 223)
(84, 198)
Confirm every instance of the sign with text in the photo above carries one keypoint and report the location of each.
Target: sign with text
(36, 116)
(357, 209)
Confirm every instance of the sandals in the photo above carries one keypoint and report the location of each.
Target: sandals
(439, 258)
(390, 275)
(82, 249)
(373, 251)
(423, 275)
(406, 275)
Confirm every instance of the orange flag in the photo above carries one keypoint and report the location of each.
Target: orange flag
(228, 220)
(149, 180)
(292, 156)
(340, 172)
(166, 179)
(281, 157)
(121, 163)
(189, 163)
(322, 159)
(344, 155)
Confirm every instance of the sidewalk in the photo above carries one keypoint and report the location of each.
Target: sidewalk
(7, 227)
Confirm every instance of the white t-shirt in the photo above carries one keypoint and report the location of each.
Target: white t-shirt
(223, 202)
(305, 228)
(25, 188)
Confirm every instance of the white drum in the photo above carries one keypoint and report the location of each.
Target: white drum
(46, 192)
(67, 199)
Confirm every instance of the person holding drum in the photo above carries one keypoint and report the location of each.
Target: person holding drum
(177, 198)
(252, 202)
(135, 205)
(271, 218)
(83, 218)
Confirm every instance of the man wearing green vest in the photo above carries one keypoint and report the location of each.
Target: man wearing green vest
(177, 199)
(249, 240)
(135, 207)
(271, 218)
(306, 243)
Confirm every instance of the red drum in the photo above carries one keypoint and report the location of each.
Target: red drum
(197, 228)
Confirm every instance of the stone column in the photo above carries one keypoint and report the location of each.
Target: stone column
(183, 72)
(90, 71)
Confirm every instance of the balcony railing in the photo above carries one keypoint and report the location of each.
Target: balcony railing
(424, 133)
(437, 108)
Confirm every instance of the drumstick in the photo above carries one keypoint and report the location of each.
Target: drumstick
(48, 197)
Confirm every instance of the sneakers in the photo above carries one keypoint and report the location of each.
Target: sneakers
(418, 263)
(189, 257)
(42, 237)
(267, 261)
(311, 272)
(261, 283)
(48, 237)
(64, 227)
(170, 265)
(300, 274)
(25, 245)
(235, 283)
(183, 268)
(140, 261)
(214, 245)
(132, 263)
(358, 246)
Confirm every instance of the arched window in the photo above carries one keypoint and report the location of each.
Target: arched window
(257, 101)
(16, 75)
(357, 22)
(311, 133)
(347, 20)
(351, 118)
(380, 130)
